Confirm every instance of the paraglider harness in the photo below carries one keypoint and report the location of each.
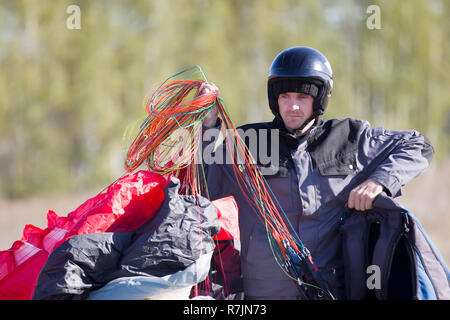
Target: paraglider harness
(391, 239)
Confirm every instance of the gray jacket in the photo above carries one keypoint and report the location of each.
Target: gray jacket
(312, 178)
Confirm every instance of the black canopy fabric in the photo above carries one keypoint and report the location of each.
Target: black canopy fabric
(175, 237)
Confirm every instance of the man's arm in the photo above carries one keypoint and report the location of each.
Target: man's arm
(394, 158)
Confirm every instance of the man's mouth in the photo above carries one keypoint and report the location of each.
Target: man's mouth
(295, 116)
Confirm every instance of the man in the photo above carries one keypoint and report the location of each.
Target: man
(324, 166)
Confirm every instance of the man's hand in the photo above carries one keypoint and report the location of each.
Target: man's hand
(361, 198)
(211, 118)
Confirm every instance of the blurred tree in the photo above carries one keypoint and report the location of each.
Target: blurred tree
(70, 100)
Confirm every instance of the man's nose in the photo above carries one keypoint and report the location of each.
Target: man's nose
(295, 106)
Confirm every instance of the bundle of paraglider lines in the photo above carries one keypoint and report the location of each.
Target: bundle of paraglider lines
(169, 140)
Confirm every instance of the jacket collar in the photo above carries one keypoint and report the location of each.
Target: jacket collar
(293, 139)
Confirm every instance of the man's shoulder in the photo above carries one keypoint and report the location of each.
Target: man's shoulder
(334, 134)
(329, 125)
(339, 122)
(343, 127)
(256, 126)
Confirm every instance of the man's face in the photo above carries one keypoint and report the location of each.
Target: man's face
(295, 108)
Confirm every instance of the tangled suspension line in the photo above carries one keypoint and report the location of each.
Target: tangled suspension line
(169, 141)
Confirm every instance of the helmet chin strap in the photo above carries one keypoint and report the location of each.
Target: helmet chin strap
(317, 111)
(298, 131)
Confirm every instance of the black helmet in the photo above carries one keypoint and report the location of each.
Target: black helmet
(300, 69)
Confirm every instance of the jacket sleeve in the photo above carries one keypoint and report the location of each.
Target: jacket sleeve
(393, 157)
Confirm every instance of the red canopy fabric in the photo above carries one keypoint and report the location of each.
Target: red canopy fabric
(125, 206)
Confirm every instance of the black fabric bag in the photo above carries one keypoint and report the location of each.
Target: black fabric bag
(180, 231)
(388, 242)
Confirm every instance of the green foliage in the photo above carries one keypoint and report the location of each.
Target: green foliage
(68, 96)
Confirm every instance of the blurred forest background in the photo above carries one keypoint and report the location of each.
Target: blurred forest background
(67, 96)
